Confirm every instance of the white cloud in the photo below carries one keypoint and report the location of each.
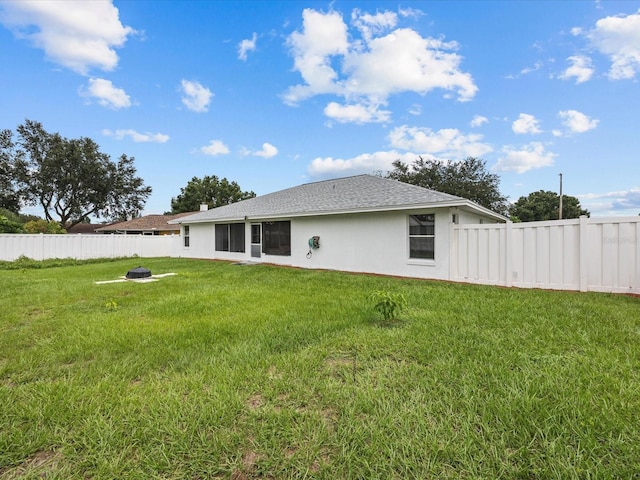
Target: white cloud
(527, 70)
(323, 35)
(478, 121)
(76, 34)
(356, 113)
(415, 109)
(195, 96)
(329, 167)
(627, 201)
(410, 12)
(577, 122)
(448, 143)
(246, 46)
(581, 69)
(366, 71)
(136, 136)
(106, 94)
(526, 124)
(267, 151)
(618, 37)
(407, 143)
(370, 25)
(215, 147)
(528, 157)
(404, 61)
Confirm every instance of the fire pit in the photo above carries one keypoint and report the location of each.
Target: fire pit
(139, 272)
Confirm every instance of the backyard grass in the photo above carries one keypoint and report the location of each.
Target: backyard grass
(254, 371)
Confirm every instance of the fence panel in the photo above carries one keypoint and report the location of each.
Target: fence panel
(614, 255)
(81, 247)
(599, 254)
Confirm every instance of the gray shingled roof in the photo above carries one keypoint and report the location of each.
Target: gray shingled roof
(341, 195)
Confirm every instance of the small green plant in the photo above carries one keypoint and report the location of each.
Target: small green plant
(388, 304)
(111, 305)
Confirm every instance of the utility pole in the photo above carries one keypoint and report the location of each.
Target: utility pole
(560, 209)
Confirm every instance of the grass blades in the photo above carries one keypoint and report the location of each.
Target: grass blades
(254, 371)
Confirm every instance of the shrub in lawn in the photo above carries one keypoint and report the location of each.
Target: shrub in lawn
(111, 305)
(388, 304)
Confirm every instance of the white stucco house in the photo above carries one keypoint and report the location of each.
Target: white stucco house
(362, 223)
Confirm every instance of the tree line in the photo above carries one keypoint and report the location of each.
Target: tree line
(72, 180)
(470, 179)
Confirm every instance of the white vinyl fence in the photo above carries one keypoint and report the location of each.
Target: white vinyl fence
(585, 254)
(78, 246)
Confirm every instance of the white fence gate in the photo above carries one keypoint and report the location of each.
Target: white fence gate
(586, 254)
(42, 247)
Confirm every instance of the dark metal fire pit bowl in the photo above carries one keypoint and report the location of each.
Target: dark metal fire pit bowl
(139, 272)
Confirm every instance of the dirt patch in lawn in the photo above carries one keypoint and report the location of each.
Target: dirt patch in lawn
(41, 464)
(255, 401)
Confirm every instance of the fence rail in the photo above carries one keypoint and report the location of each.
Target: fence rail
(586, 254)
(78, 246)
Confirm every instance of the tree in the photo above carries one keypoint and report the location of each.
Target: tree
(9, 197)
(71, 178)
(10, 226)
(544, 205)
(124, 199)
(42, 226)
(20, 218)
(468, 178)
(210, 190)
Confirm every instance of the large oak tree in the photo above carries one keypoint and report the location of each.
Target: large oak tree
(467, 178)
(211, 190)
(71, 179)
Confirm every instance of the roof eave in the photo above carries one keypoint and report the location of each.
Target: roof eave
(390, 208)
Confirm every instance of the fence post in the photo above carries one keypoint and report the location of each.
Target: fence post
(508, 261)
(584, 254)
(452, 251)
(636, 283)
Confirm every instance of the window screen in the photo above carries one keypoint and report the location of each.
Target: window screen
(422, 236)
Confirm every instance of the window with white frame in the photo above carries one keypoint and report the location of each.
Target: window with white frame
(422, 236)
(185, 235)
(230, 237)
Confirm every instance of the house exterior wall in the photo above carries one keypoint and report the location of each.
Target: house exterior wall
(201, 238)
(376, 242)
(372, 243)
(474, 218)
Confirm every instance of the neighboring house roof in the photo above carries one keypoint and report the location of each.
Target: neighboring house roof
(86, 228)
(148, 223)
(361, 193)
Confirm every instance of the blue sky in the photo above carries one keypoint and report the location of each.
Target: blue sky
(275, 94)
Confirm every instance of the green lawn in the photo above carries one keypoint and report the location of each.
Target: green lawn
(253, 371)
